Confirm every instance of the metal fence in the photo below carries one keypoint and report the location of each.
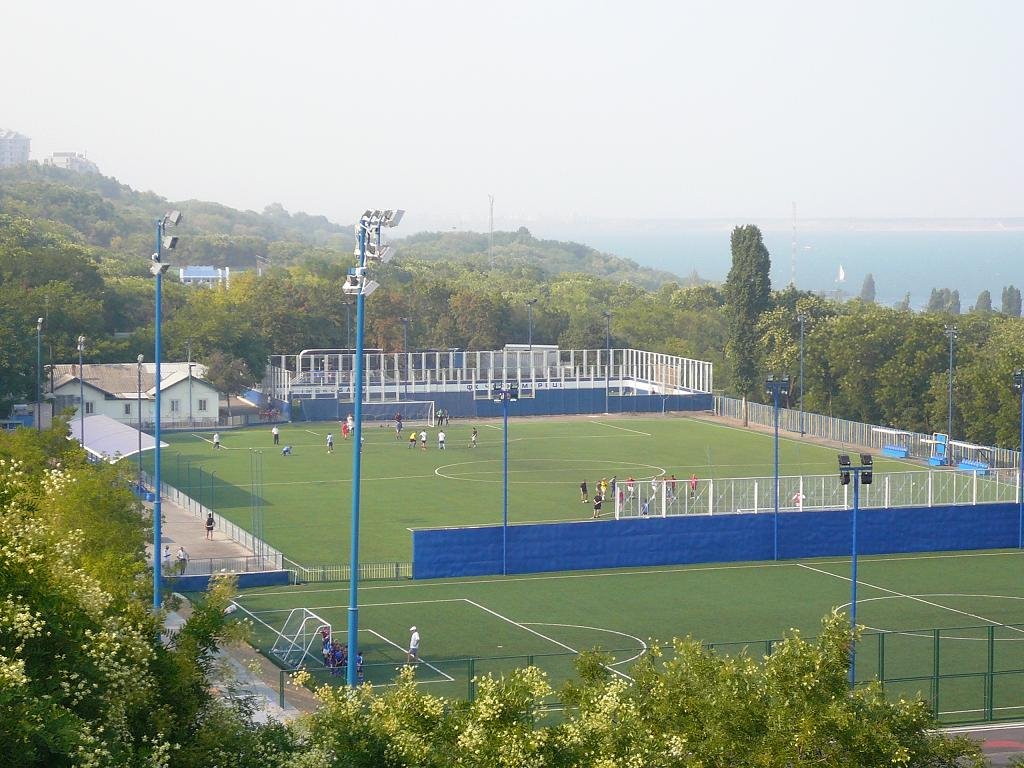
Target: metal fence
(711, 496)
(343, 572)
(845, 432)
(966, 674)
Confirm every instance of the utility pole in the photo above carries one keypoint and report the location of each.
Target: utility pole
(490, 234)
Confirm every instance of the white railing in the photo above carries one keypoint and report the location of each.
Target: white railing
(916, 488)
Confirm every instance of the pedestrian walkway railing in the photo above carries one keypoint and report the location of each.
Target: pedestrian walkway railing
(343, 572)
(265, 557)
(203, 566)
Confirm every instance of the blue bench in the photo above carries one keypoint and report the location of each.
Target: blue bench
(895, 451)
(970, 465)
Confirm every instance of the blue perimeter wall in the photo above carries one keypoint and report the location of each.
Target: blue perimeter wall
(547, 403)
(585, 545)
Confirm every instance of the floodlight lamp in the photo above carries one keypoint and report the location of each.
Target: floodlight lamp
(865, 459)
(369, 287)
(172, 218)
(393, 218)
(39, 323)
(169, 242)
(157, 268)
(844, 460)
(1018, 379)
(367, 215)
(81, 343)
(141, 358)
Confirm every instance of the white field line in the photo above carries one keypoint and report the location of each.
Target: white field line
(361, 605)
(540, 635)
(492, 426)
(312, 432)
(618, 574)
(445, 675)
(624, 429)
(914, 598)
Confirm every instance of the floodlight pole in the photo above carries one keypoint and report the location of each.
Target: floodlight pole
(505, 396)
(188, 347)
(405, 353)
(951, 333)
(853, 574)
(357, 455)
(81, 392)
(529, 317)
(802, 317)
(157, 512)
(39, 374)
(608, 362)
(1018, 383)
(775, 386)
(139, 402)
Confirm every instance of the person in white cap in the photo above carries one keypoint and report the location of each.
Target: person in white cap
(414, 646)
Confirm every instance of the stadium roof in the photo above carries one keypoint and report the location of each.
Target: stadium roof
(109, 439)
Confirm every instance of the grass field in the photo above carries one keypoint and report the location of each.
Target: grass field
(307, 497)
(544, 618)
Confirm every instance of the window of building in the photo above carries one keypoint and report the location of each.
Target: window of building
(88, 407)
(202, 404)
(127, 409)
(175, 406)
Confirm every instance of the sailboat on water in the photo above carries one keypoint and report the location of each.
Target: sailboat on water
(842, 275)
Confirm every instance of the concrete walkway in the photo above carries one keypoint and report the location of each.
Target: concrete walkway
(182, 527)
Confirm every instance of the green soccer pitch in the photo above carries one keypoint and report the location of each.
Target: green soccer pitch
(307, 496)
(948, 618)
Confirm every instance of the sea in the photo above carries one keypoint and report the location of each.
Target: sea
(832, 261)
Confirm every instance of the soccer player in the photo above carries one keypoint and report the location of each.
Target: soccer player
(330, 442)
(276, 433)
(423, 439)
(412, 438)
(286, 451)
(414, 646)
(583, 492)
(216, 439)
(440, 440)
(630, 485)
(693, 485)
(398, 427)
(472, 438)
(672, 488)
(597, 505)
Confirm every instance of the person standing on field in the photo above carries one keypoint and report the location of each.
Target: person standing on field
(597, 504)
(276, 433)
(216, 440)
(423, 439)
(472, 438)
(413, 656)
(583, 492)
(330, 442)
(440, 440)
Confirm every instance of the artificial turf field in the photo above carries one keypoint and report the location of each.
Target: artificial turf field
(307, 501)
(546, 618)
(937, 607)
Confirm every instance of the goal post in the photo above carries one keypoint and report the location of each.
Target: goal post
(299, 641)
(413, 412)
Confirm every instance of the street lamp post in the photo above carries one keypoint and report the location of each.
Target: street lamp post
(139, 406)
(157, 269)
(81, 392)
(505, 394)
(776, 386)
(370, 247)
(529, 319)
(802, 317)
(39, 374)
(188, 347)
(861, 476)
(608, 353)
(1018, 384)
(951, 333)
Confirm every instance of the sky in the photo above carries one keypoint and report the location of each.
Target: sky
(560, 109)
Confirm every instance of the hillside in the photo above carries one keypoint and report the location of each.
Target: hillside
(116, 221)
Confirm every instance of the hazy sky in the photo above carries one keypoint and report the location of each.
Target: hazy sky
(560, 109)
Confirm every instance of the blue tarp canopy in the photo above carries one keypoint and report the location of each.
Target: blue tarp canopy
(108, 439)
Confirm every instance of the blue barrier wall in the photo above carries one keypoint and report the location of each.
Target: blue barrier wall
(462, 405)
(585, 545)
(245, 581)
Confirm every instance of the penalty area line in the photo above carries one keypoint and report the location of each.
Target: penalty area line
(445, 675)
(624, 429)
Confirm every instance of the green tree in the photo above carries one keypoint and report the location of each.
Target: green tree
(984, 302)
(1011, 301)
(867, 290)
(229, 375)
(747, 291)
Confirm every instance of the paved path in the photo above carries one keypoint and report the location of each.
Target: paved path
(181, 527)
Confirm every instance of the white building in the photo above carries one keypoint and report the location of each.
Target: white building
(72, 161)
(14, 148)
(112, 389)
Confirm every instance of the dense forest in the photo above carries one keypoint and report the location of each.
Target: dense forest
(74, 250)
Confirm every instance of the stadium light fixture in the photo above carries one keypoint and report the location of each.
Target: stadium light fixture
(357, 284)
(157, 269)
(776, 386)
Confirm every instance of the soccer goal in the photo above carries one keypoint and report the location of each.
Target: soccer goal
(300, 640)
(414, 413)
(662, 497)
